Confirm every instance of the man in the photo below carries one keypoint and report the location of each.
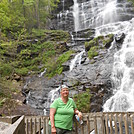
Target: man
(62, 111)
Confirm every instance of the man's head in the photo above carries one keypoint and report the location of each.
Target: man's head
(64, 91)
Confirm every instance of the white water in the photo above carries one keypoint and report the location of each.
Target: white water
(76, 60)
(42, 73)
(76, 15)
(52, 95)
(94, 13)
(123, 66)
(103, 16)
(123, 74)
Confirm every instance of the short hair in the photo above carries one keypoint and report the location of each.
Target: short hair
(63, 86)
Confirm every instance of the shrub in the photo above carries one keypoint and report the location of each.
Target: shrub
(21, 71)
(55, 67)
(89, 44)
(93, 52)
(5, 69)
(82, 101)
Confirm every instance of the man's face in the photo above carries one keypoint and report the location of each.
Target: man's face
(64, 92)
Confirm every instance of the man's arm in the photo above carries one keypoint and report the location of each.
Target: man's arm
(52, 113)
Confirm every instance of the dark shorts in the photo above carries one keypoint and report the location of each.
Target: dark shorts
(60, 131)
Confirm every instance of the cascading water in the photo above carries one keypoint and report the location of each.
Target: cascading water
(123, 75)
(76, 15)
(52, 95)
(76, 60)
(123, 66)
(106, 17)
(94, 13)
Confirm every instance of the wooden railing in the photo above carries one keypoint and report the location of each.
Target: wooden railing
(95, 123)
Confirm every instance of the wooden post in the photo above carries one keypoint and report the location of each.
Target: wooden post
(35, 124)
(126, 124)
(76, 131)
(26, 126)
(102, 124)
(39, 125)
(120, 123)
(47, 120)
(44, 126)
(95, 124)
(110, 121)
(132, 124)
(82, 129)
(88, 125)
(106, 122)
(31, 128)
(115, 123)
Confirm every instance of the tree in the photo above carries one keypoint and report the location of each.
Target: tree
(17, 14)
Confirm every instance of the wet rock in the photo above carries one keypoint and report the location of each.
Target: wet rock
(95, 107)
(16, 77)
(64, 5)
(119, 38)
(66, 66)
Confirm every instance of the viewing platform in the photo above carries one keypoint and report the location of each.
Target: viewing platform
(93, 123)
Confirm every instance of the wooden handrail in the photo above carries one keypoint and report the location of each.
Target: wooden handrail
(101, 122)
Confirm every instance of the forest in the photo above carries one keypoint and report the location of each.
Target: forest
(17, 15)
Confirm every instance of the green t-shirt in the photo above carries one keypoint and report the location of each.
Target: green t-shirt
(64, 113)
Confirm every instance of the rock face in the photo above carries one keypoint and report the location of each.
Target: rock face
(63, 16)
(93, 74)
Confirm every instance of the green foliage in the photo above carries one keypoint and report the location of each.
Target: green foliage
(21, 71)
(4, 18)
(90, 44)
(25, 54)
(18, 14)
(99, 41)
(34, 56)
(132, 1)
(53, 35)
(108, 39)
(93, 52)
(2, 102)
(55, 67)
(38, 32)
(5, 69)
(11, 17)
(82, 101)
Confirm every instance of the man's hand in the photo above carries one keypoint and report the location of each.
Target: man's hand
(53, 130)
(80, 115)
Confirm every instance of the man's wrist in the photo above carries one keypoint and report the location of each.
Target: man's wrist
(52, 126)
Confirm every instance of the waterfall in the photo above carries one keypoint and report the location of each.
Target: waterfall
(123, 75)
(106, 17)
(52, 95)
(123, 67)
(63, 5)
(76, 15)
(95, 13)
(76, 60)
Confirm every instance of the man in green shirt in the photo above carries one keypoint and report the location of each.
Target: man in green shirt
(62, 111)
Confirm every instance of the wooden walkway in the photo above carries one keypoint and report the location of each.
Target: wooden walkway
(94, 123)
